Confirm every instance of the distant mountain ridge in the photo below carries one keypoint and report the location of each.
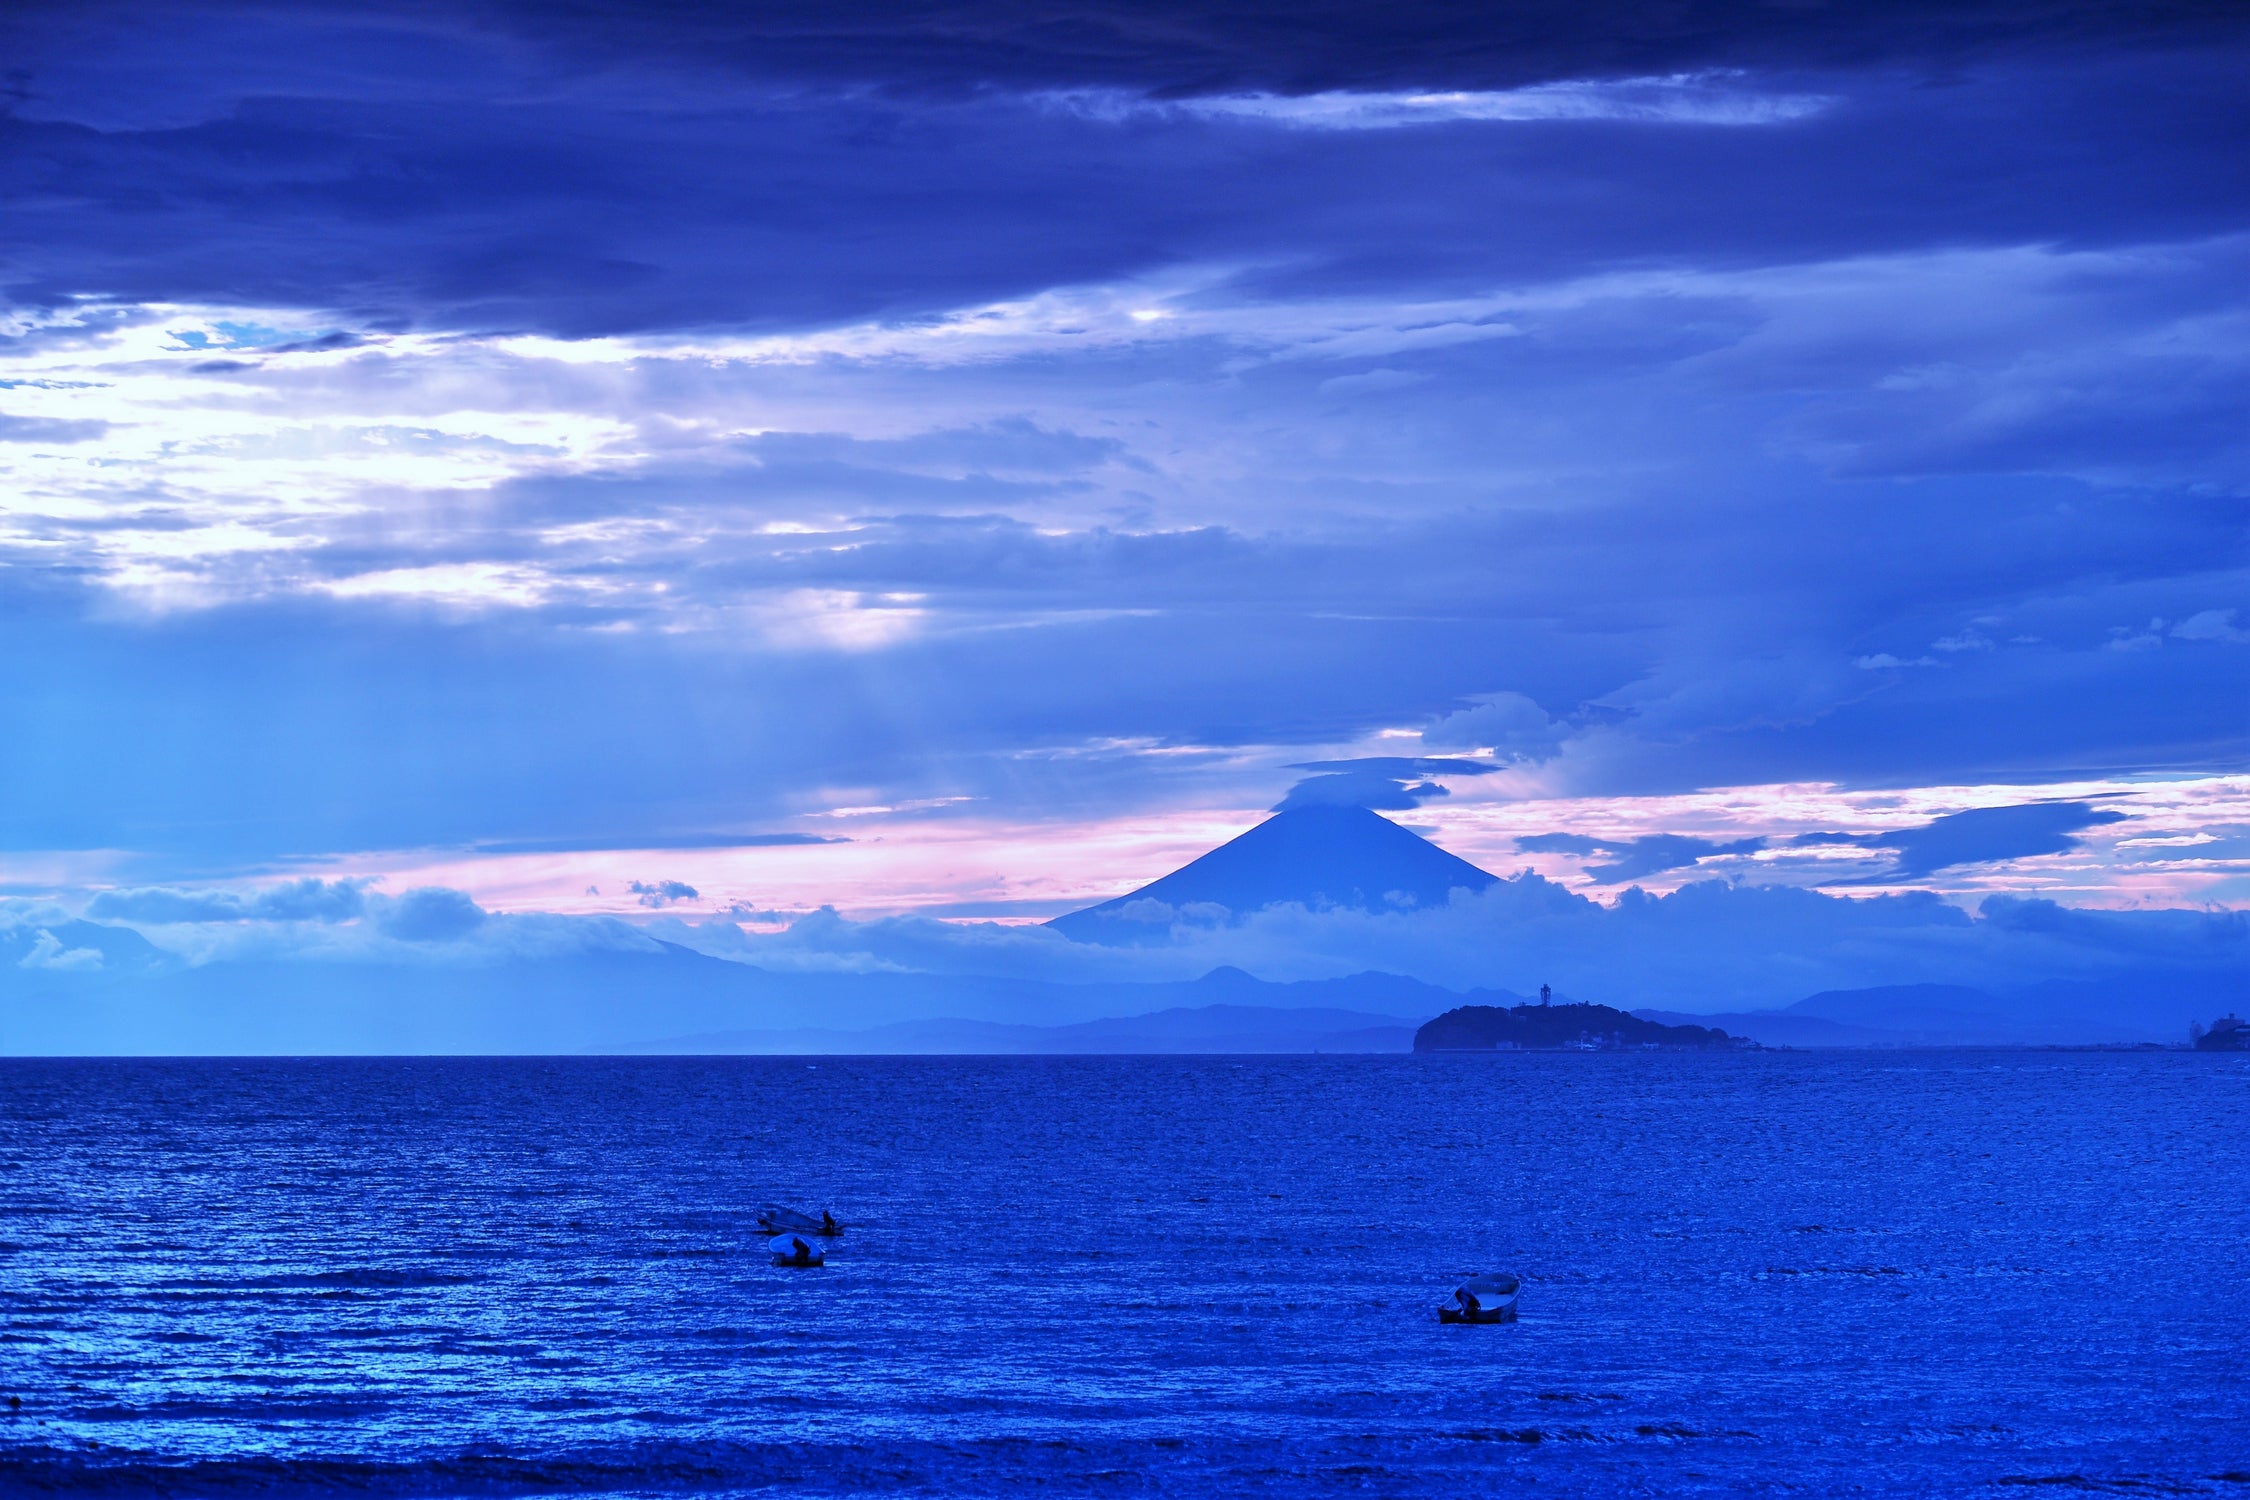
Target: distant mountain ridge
(2156, 1007)
(74, 986)
(671, 998)
(63, 946)
(621, 1000)
(1226, 1029)
(1314, 856)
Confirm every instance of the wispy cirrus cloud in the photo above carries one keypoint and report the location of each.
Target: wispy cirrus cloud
(1719, 98)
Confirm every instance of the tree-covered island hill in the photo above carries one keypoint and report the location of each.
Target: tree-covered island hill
(1567, 1027)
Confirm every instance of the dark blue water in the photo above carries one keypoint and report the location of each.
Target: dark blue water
(1911, 1274)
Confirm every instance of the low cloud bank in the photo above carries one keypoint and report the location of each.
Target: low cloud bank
(1709, 946)
(168, 928)
(308, 900)
(426, 914)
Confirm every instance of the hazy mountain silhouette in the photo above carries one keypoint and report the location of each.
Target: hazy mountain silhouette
(77, 946)
(62, 1003)
(1317, 856)
(633, 1000)
(2155, 1005)
(1198, 1029)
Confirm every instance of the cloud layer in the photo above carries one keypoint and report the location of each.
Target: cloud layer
(1707, 946)
(481, 433)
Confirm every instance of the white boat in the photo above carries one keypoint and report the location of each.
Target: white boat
(798, 1251)
(774, 1219)
(1483, 1299)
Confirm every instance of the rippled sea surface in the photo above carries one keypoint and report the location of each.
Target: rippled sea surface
(1912, 1274)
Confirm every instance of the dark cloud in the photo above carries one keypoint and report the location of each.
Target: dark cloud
(592, 843)
(1507, 724)
(306, 900)
(1378, 782)
(1981, 835)
(1359, 789)
(1009, 445)
(662, 893)
(1168, 48)
(1926, 363)
(1399, 765)
(352, 726)
(429, 914)
(49, 429)
(1563, 843)
(766, 916)
(1651, 854)
(448, 187)
(1179, 47)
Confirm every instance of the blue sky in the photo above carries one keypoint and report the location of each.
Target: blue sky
(966, 460)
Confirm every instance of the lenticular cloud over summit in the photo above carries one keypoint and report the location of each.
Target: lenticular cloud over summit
(1697, 513)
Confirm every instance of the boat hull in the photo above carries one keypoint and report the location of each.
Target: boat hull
(773, 1221)
(1483, 1299)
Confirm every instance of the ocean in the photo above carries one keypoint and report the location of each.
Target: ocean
(1907, 1273)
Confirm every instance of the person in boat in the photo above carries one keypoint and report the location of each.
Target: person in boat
(828, 1224)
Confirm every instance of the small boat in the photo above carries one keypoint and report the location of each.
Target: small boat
(774, 1219)
(799, 1252)
(1483, 1299)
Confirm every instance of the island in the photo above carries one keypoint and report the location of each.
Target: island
(2229, 1033)
(1564, 1028)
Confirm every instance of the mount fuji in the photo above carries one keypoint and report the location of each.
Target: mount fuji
(1316, 856)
